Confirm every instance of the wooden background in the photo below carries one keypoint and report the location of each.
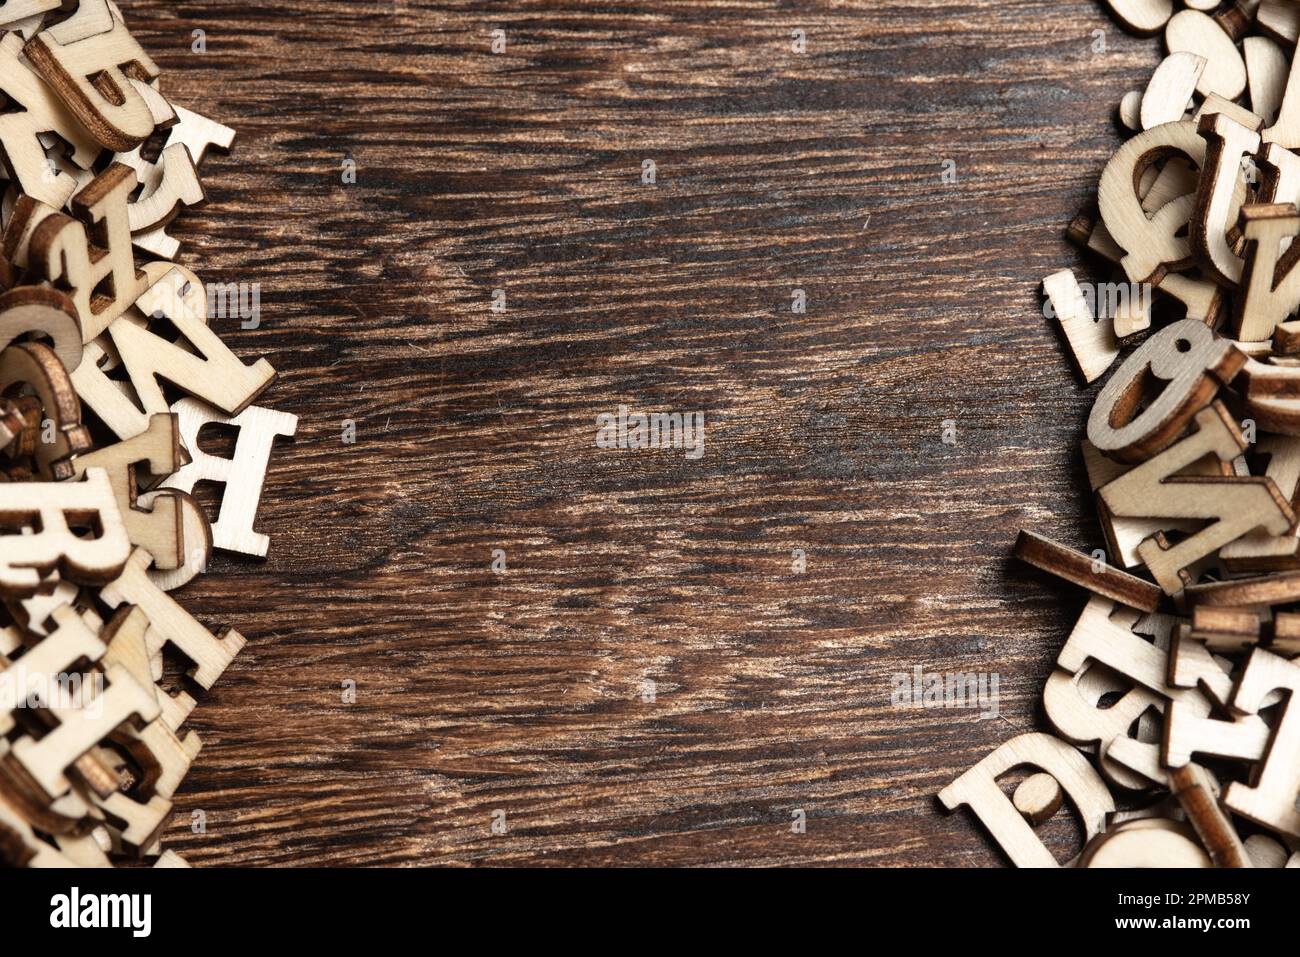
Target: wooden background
(522, 692)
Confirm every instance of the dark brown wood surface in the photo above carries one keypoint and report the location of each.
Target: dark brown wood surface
(524, 692)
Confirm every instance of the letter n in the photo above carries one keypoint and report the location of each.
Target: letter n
(1232, 505)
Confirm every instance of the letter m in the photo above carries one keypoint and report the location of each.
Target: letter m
(220, 295)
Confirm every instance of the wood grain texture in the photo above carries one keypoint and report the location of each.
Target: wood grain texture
(475, 430)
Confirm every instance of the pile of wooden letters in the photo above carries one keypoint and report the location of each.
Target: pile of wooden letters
(108, 372)
(1176, 698)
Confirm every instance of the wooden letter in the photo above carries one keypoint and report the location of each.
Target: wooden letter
(1227, 141)
(1153, 245)
(1260, 551)
(1091, 342)
(1286, 131)
(241, 475)
(158, 529)
(1271, 284)
(1188, 733)
(978, 788)
(1098, 577)
(43, 313)
(101, 276)
(91, 76)
(1271, 800)
(1195, 792)
(1234, 505)
(1143, 17)
(81, 728)
(36, 537)
(1170, 89)
(1267, 67)
(1189, 361)
(215, 374)
(41, 112)
(1225, 73)
(170, 622)
(34, 366)
(1112, 642)
(1147, 848)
